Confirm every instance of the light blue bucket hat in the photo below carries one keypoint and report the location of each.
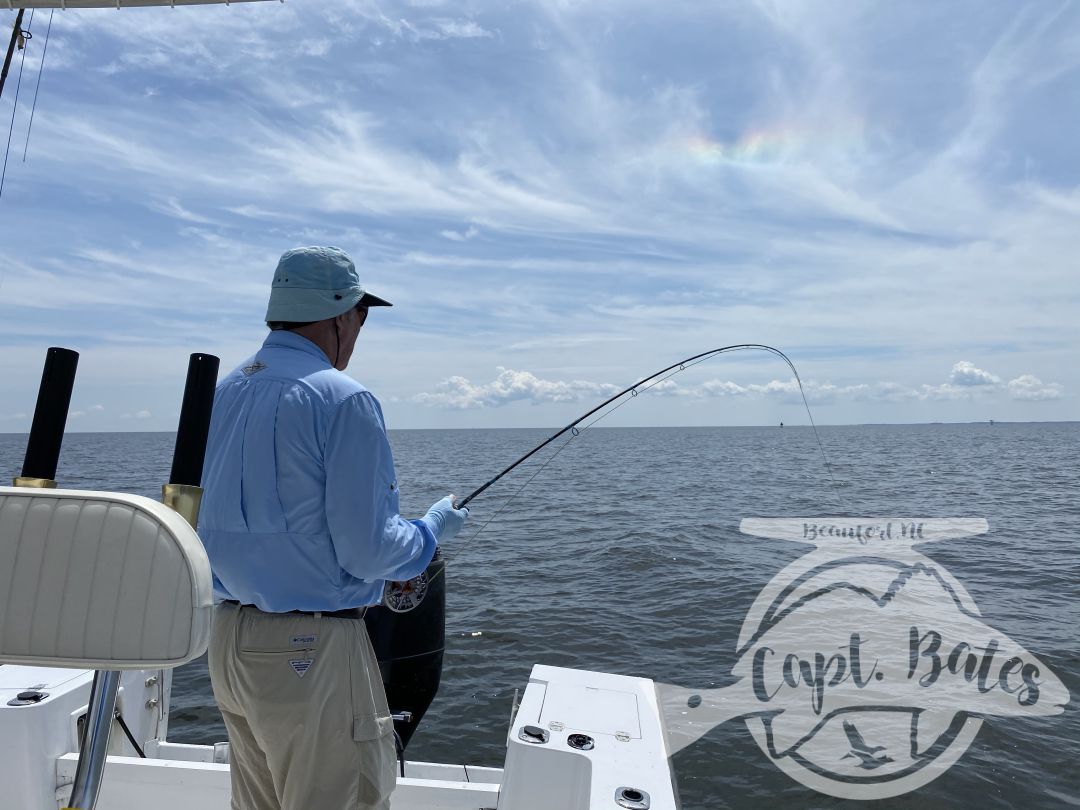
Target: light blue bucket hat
(316, 283)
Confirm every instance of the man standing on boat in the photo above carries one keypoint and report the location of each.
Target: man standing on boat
(300, 521)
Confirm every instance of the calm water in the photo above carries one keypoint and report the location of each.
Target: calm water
(624, 555)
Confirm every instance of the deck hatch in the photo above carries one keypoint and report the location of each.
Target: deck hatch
(591, 709)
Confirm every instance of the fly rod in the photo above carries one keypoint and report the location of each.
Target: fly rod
(647, 382)
(16, 35)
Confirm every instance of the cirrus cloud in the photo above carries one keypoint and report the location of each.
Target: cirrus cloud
(528, 178)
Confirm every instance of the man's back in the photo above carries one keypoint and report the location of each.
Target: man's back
(300, 521)
(301, 503)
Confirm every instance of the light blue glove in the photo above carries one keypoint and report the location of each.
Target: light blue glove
(444, 520)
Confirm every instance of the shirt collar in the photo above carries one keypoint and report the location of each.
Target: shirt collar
(284, 339)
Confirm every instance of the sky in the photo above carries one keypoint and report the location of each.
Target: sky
(560, 197)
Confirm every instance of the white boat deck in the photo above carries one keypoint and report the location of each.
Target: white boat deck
(617, 713)
(132, 783)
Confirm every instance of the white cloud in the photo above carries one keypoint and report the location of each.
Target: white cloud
(574, 341)
(511, 386)
(965, 373)
(461, 29)
(664, 387)
(459, 236)
(945, 391)
(1029, 387)
(171, 207)
(316, 47)
(426, 29)
(721, 388)
(816, 392)
(142, 414)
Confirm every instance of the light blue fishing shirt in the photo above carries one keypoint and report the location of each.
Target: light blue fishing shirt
(300, 510)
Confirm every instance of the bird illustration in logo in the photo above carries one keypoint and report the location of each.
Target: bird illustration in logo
(865, 753)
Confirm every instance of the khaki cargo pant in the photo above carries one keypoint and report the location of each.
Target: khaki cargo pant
(305, 710)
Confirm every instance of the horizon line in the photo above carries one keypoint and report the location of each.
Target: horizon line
(656, 427)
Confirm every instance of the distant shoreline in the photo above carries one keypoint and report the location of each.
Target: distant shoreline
(786, 425)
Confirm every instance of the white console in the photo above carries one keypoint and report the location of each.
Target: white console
(587, 741)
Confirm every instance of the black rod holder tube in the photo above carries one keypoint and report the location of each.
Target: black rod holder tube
(50, 415)
(194, 427)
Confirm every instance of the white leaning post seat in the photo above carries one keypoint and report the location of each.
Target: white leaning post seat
(99, 580)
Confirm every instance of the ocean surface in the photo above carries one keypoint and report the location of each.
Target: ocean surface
(624, 555)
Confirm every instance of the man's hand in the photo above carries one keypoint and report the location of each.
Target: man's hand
(444, 520)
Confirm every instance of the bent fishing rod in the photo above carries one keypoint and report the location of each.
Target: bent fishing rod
(643, 385)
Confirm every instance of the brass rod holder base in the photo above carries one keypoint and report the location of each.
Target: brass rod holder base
(35, 483)
(183, 499)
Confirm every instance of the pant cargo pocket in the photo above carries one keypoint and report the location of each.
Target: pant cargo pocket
(372, 727)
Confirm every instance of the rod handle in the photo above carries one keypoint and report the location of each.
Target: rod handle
(461, 503)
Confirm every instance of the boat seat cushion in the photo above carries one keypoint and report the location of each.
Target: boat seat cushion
(99, 580)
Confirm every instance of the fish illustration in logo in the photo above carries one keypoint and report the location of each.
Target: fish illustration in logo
(865, 669)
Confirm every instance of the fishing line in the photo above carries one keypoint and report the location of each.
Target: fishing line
(41, 70)
(626, 395)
